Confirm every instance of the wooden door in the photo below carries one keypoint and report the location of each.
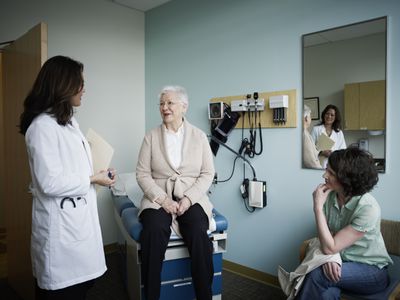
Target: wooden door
(2, 166)
(22, 61)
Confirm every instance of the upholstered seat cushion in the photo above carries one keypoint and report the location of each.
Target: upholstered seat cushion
(131, 222)
(129, 215)
(132, 225)
(121, 203)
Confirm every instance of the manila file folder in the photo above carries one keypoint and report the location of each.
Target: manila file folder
(102, 151)
(324, 142)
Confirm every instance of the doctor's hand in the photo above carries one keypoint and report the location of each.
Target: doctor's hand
(104, 178)
(170, 206)
(184, 205)
(325, 153)
(332, 271)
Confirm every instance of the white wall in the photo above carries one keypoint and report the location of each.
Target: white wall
(109, 40)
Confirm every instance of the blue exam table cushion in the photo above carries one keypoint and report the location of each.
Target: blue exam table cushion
(121, 203)
(130, 219)
(220, 221)
(133, 226)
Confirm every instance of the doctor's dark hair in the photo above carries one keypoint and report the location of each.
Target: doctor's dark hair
(355, 170)
(58, 80)
(337, 124)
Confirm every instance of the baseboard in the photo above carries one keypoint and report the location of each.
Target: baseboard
(250, 273)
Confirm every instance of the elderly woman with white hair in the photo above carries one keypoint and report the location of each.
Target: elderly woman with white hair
(310, 152)
(175, 170)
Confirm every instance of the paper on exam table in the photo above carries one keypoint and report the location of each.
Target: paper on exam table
(102, 151)
(126, 185)
(324, 142)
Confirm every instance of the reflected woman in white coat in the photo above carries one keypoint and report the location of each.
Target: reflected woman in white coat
(66, 243)
(331, 126)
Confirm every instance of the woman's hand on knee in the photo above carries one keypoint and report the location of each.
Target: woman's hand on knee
(332, 271)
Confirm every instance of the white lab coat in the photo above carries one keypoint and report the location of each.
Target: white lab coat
(66, 243)
(338, 137)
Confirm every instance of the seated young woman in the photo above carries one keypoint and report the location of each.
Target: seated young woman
(348, 222)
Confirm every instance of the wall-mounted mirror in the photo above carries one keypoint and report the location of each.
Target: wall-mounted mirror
(345, 68)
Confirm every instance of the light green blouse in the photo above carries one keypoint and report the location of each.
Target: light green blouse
(363, 214)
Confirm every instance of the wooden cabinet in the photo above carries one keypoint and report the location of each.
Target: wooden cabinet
(365, 105)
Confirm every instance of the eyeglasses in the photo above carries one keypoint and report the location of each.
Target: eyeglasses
(169, 104)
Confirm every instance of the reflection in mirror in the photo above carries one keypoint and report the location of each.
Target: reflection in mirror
(344, 78)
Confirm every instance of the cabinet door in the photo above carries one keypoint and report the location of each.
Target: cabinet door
(352, 106)
(372, 105)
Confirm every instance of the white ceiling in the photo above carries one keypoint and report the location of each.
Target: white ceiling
(345, 32)
(142, 5)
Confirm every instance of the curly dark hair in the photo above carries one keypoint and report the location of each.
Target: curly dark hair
(355, 170)
(337, 124)
(58, 80)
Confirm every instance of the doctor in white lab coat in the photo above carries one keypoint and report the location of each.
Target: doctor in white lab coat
(66, 243)
(330, 125)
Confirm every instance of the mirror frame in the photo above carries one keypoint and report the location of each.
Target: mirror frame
(380, 163)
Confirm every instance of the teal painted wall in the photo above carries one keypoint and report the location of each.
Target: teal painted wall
(232, 47)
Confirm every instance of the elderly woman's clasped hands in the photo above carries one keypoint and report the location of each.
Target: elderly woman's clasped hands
(176, 207)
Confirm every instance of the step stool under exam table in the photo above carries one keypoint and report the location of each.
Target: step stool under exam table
(176, 281)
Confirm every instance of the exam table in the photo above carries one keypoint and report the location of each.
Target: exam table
(176, 281)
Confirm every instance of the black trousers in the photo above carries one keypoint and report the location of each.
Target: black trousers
(154, 239)
(75, 292)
